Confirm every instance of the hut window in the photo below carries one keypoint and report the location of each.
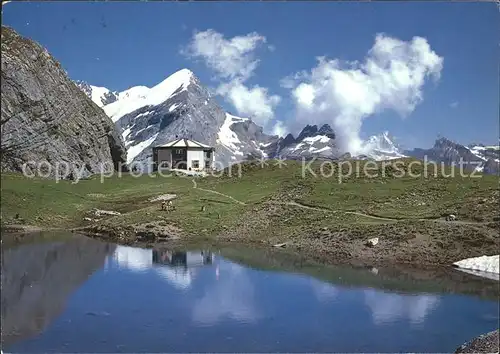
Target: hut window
(195, 164)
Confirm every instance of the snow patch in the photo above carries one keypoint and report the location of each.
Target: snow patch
(483, 264)
(311, 140)
(135, 150)
(314, 139)
(144, 114)
(140, 130)
(323, 149)
(476, 152)
(125, 133)
(174, 106)
(227, 137)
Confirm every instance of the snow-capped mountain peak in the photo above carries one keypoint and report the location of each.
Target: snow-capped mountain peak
(140, 96)
(180, 106)
(382, 147)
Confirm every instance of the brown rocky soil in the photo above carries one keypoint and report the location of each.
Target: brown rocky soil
(486, 343)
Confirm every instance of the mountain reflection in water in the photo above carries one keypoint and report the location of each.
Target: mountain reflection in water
(88, 296)
(38, 278)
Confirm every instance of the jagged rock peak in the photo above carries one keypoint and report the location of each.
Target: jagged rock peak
(308, 131)
(327, 130)
(289, 139)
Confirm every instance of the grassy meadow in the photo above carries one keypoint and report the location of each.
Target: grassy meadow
(270, 204)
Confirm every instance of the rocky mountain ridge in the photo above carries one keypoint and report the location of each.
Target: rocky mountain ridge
(475, 157)
(181, 106)
(47, 121)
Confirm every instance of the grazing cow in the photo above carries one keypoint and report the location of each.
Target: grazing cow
(166, 205)
(451, 217)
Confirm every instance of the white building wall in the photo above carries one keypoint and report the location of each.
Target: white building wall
(193, 155)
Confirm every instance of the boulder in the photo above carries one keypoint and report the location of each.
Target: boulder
(372, 242)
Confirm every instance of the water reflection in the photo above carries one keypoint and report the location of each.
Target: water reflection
(163, 300)
(178, 268)
(38, 278)
(387, 307)
(324, 292)
(231, 296)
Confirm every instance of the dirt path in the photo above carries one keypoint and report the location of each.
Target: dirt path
(374, 217)
(195, 186)
(299, 205)
(459, 222)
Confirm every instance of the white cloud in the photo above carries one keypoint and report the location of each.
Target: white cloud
(279, 129)
(229, 58)
(255, 101)
(344, 94)
(454, 104)
(233, 61)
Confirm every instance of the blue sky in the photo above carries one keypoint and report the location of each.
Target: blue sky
(120, 45)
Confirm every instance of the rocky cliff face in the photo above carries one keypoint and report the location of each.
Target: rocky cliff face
(47, 120)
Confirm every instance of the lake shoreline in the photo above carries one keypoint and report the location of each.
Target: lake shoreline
(258, 255)
(340, 253)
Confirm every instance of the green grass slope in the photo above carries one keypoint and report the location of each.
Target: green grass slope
(287, 203)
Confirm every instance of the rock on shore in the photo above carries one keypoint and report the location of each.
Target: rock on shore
(485, 343)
